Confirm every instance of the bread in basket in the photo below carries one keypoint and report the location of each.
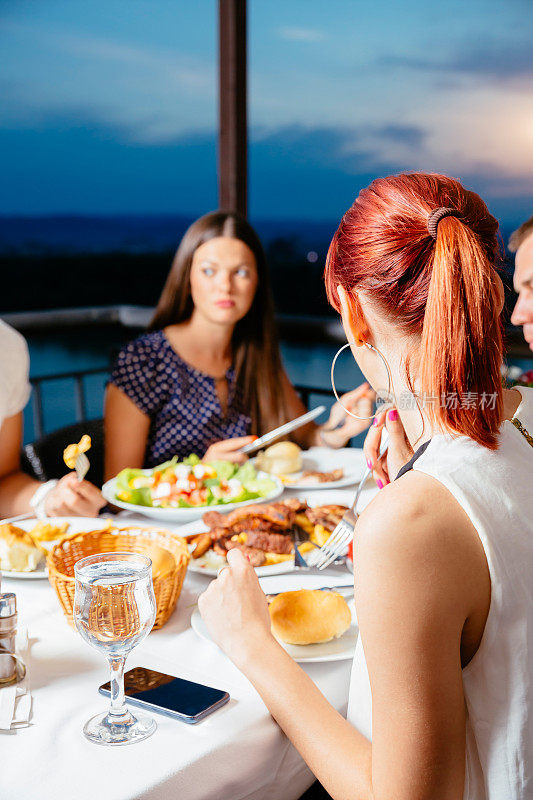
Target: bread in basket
(168, 552)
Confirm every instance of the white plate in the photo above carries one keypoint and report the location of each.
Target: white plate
(210, 563)
(76, 525)
(324, 459)
(36, 574)
(186, 514)
(337, 650)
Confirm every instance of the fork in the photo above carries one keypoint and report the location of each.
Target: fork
(343, 532)
(81, 466)
(299, 560)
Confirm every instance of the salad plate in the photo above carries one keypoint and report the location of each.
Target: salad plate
(182, 491)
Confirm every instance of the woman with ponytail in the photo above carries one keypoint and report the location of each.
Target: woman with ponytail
(440, 704)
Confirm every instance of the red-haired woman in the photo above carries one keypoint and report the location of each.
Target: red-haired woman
(440, 699)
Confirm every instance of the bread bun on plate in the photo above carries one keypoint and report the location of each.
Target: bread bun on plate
(18, 551)
(280, 459)
(309, 616)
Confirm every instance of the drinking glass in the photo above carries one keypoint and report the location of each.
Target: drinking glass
(114, 610)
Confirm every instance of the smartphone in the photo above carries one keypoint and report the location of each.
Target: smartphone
(169, 695)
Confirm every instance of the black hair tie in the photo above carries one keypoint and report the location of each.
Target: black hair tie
(436, 216)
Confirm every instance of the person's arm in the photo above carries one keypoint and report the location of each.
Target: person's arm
(419, 575)
(16, 488)
(340, 427)
(69, 497)
(126, 430)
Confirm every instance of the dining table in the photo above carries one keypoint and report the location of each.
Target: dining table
(236, 753)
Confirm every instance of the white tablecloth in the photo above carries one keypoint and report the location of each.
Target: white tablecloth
(237, 753)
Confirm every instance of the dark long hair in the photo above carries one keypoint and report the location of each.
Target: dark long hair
(256, 355)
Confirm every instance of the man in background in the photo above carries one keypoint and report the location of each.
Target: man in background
(521, 243)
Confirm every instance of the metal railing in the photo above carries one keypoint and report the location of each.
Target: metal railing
(80, 396)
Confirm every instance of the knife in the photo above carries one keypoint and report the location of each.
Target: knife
(318, 589)
(287, 427)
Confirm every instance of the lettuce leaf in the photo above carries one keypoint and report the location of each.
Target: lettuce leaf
(165, 465)
(242, 496)
(225, 469)
(246, 472)
(125, 493)
(260, 487)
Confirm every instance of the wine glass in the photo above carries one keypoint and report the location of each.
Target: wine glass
(114, 610)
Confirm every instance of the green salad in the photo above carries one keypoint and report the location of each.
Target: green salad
(191, 483)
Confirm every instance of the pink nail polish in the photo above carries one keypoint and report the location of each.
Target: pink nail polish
(379, 484)
(393, 415)
(369, 463)
(375, 423)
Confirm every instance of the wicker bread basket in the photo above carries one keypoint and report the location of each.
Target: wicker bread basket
(168, 579)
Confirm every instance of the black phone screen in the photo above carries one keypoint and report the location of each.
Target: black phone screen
(173, 694)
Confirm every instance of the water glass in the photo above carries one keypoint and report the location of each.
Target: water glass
(114, 610)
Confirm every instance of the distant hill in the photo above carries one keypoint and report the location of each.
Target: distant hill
(68, 261)
(63, 234)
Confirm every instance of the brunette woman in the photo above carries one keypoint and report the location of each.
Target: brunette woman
(440, 703)
(208, 376)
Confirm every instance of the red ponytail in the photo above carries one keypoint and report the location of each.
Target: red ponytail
(444, 290)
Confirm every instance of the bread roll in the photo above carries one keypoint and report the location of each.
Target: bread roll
(281, 458)
(18, 551)
(309, 616)
(162, 560)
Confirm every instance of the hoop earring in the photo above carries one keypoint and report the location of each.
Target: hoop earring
(389, 378)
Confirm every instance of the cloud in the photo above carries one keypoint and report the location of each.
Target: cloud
(150, 93)
(345, 148)
(495, 60)
(301, 34)
(79, 166)
(410, 135)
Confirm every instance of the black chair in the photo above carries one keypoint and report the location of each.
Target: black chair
(316, 792)
(43, 459)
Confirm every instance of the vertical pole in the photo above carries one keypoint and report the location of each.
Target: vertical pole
(38, 423)
(232, 138)
(80, 399)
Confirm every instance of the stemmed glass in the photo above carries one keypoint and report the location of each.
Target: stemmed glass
(114, 610)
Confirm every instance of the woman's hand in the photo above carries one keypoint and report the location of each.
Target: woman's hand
(74, 498)
(399, 451)
(340, 427)
(228, 450)
(235, 610)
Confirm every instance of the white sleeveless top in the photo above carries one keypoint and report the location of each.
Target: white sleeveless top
(495, 488)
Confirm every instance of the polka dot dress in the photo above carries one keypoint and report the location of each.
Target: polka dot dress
(182, 402)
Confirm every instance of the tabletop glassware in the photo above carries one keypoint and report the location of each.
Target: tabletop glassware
(114, 610)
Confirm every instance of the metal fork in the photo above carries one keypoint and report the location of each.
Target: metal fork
(299, 560)
(343, 532)
(81, 466)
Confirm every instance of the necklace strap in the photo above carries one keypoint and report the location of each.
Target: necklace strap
(519, 427)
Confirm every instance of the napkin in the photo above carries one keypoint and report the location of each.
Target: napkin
(15, 700)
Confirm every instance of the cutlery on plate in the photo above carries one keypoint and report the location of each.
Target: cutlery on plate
(270, 595)
(8, 520)
(334, 546)
(81, 466)
(287, 427)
